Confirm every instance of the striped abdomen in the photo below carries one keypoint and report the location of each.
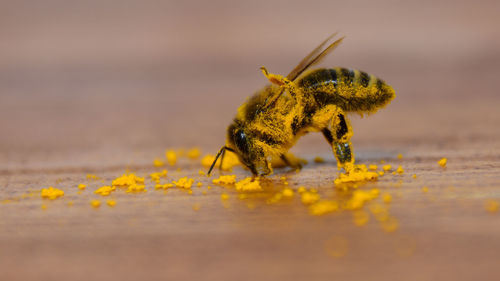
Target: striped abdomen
(352, 90)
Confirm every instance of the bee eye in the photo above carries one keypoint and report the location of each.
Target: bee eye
(240, 139)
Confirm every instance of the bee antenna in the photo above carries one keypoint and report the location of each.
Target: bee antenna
(274, 78)
(221, 151)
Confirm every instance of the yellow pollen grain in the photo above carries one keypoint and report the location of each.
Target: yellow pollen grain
(199, 184)
(156, 176)
(414, 176)
(387, 167)
(491, 205)
(287, 192)
(400, 170)
(387, 198)
(111, 203)
(381, 173)
(163, 186)
(442, 162)
(224, 196)
(301, 189)
(400, 156)
(158, 163)
(171, 157)
(308, 197)
(382, 161)
(323, 207)
(201, 173)
(51, 193)
(92, 177)
(425, 189)
(318, 159)
(95, 203)
(373, 167)
(194, 153)
(43, 206)
(82, 186)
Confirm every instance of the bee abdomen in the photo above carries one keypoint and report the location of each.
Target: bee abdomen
(352, 90)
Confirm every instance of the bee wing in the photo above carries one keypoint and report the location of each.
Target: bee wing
(315, 56)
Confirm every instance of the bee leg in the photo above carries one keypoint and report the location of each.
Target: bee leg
(338, 135)
(294, 164)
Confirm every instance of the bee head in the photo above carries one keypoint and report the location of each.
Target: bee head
(241, 141)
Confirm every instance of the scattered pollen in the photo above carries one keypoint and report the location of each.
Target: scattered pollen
(82, 186)
(111, 203)
(171, 157)
(194, 153)
(491, 205)
(229, 179)
(387, 167)
(158, 163)
(442, 162)
(95, 203)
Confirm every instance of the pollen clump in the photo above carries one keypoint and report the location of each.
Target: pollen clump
(111, 203)
(95, 203)
(287, 192)
(158, 163)
(358, 173)
(323, 207)
(308, 197)
(105, 190)
(171, 157)
(400, 170)
(156, 176)
(134, 188)
(373, 167)
(230, 160)
(229, 179)
(360, 197)
(442, 162)
(184, 182)
(163, 186)
(51, 193)
(82, 186)
(387, 167)
(127, 180)
(248, 184)
(491, 206)
(194, 153)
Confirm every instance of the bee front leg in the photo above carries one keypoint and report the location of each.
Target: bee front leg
(338, 134)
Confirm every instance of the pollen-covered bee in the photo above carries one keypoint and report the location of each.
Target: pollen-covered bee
(269, 123)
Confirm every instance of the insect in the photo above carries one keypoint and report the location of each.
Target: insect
(270, 122)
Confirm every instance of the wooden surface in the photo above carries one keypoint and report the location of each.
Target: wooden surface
(100, 88)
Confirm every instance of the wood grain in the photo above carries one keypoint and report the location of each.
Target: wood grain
(92, 88)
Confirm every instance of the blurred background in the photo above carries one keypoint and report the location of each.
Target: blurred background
(96, 86)
(106, 76)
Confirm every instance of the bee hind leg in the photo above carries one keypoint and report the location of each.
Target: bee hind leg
(338, 134)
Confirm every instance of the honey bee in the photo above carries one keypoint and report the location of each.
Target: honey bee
(270, 122)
